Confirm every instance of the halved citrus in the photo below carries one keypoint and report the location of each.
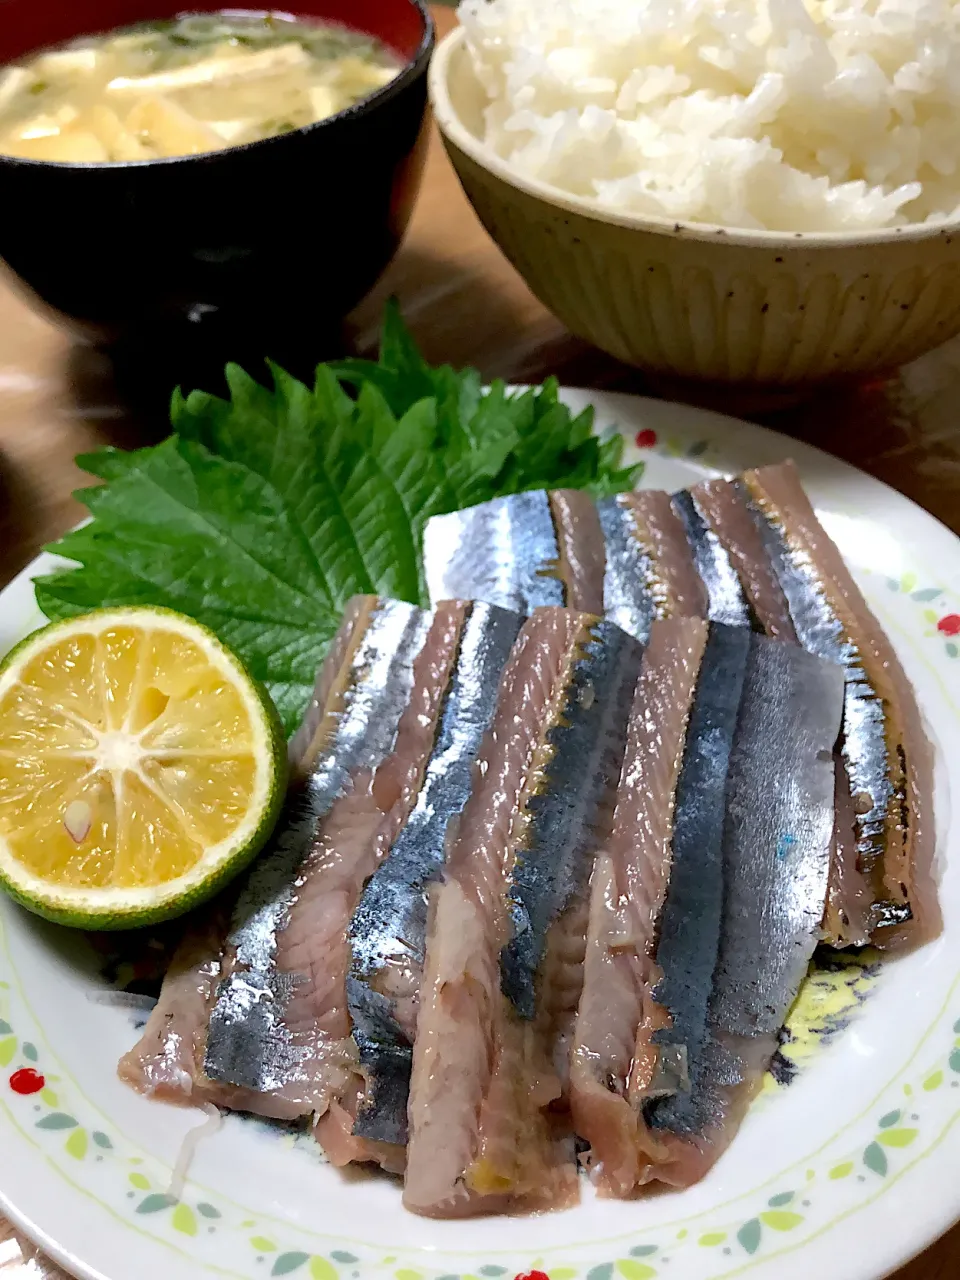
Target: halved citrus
(141, 767)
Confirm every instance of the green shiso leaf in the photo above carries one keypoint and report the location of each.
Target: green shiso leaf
(265, 512)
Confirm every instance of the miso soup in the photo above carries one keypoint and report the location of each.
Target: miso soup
(198, 83)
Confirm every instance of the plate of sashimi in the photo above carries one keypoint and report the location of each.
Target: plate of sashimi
(610, 927)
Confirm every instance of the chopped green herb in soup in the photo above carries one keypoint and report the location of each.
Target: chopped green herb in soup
(198, 83)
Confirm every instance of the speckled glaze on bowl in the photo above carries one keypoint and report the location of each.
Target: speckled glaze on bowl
(692, 301)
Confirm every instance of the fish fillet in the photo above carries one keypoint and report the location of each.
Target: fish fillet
(280, 1028)
(886, 756)
(167, 1061)
(627, 893)
(168, 1058)
(720, 844)
(504, 953)
(776, 840)
(259, 1015)
(386, 934)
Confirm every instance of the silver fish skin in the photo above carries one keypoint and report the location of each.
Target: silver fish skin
(168, 1059)
(248, 1044)
(728, 603)
(626, 601)
(573, 808)
(387, 933)
(706, 900)
(820, 630)
(504, 953)
(504, 552)
(613, 1059)
(777, 834)
(720, 507)
(885, 755)
(691, 919)
(848, 918)
(624, 556)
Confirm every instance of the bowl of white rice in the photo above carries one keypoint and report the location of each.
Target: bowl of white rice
(761, 192)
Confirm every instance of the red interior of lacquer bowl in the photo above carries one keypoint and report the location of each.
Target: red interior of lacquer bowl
(26, 25)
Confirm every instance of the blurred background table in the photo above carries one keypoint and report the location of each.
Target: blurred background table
(466, 305)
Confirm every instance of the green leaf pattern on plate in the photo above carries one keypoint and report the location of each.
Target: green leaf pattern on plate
(631, 1270)
(875, 1159)
(289, 1262)
(777, 1202)
(57, 1120)
(780, 1219)
(749, 1235)
(155, 1203)
(321, 1269)
(184, 1220)
(76, 1145)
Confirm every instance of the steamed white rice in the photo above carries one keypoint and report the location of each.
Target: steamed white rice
(794, 115)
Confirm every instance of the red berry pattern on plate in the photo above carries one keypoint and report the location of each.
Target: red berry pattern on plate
(27, 1081)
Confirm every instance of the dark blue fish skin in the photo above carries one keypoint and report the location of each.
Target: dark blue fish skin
(389, 926)
(767, 890)
(692, 917)
(504, 552)
(386, 1057)
(777, 836)
(571, 811)
(248, 1044)
(864, 744)
(776, 856)
(728, 604)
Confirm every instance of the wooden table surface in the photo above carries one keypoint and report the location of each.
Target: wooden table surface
(466, 305)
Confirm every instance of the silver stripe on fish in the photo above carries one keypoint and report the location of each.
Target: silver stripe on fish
(570, 814)
(388, 929)
(778, 834)
(776, 864)
(248, 1044)
(748, 909)
(627, 599)
(503, 552)
(728, 604)
(864, 745)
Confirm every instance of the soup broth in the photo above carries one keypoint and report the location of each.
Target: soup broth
(198, 83)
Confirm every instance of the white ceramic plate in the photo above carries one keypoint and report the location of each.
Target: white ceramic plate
(845, 1173)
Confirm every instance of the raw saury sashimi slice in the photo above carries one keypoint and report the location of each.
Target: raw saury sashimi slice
(505, 941)
(274, 1032)
(706, 899)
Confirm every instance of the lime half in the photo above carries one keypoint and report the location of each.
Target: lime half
(141, 767)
